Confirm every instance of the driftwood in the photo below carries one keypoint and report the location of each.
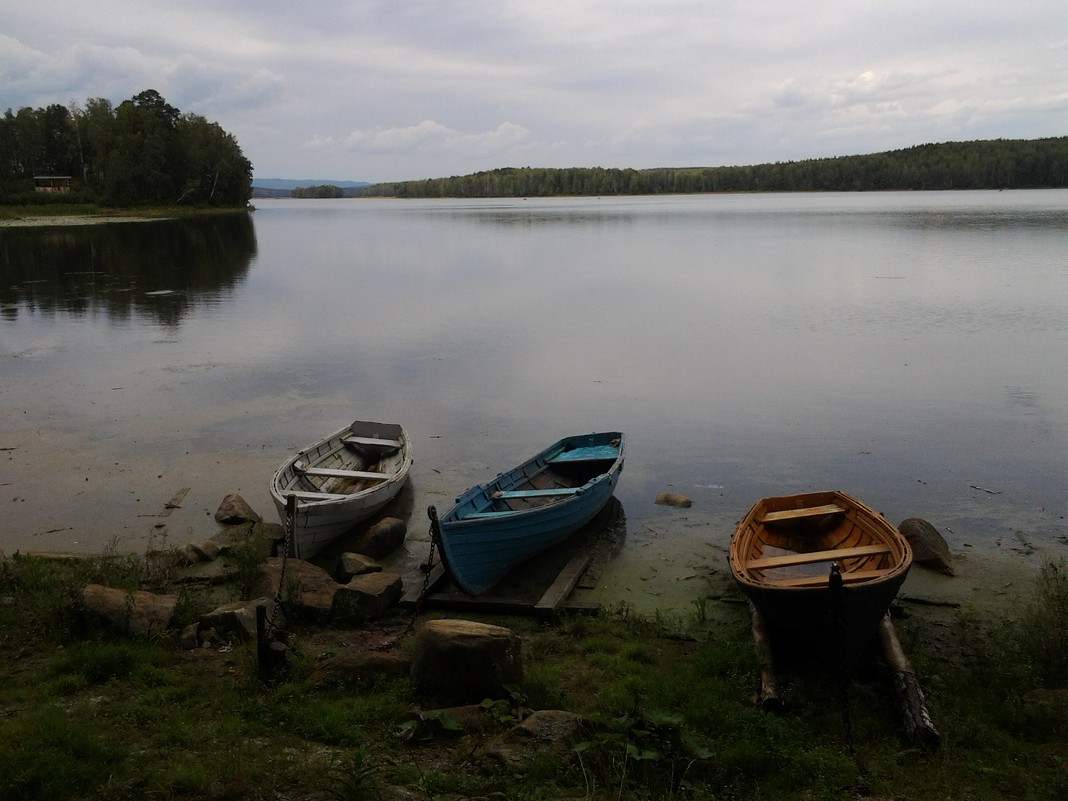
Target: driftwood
(769, 698)
(918, 726)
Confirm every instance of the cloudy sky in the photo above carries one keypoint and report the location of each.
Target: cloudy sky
(382, 90)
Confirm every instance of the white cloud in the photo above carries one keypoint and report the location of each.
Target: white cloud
(380, 90)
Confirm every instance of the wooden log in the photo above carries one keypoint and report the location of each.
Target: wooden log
(919, 728)
(769, 698)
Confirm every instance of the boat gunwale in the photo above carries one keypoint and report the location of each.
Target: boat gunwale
(856, 511)
(280, 494)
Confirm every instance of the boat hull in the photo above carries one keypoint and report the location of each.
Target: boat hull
(495, 527)
(331, 500)
(781, 557)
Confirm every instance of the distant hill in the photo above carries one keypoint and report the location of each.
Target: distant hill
(290, 183)
(982, 164)
(283, 187)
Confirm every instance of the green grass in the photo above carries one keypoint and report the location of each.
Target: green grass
(85, 714)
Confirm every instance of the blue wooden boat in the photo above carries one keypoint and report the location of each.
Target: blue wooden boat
(496, 526)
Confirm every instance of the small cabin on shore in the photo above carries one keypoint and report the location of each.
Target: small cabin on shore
(51, 183)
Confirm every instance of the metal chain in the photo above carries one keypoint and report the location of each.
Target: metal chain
(837, 588)
(290, 524)
(428, 568)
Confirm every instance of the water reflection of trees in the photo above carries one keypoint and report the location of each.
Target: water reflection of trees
(157, 270)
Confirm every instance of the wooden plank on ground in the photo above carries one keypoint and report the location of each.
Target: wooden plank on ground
(565, 583)
(175, 502)
(414, 594)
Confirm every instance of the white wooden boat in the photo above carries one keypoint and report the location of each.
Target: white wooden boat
(341, 480)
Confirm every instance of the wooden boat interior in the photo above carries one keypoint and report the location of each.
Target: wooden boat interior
(336, 470)
(545, 480)
(795, 546)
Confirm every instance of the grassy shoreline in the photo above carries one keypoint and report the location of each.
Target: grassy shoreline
(86, 713)
(87, 213)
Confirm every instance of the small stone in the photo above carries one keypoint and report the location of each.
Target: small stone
(206, 550)
(238, 617)
(673, 499)
(190, 637)
(356, 564)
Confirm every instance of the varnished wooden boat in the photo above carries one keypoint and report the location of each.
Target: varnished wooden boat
(341, 480)
(495, 527)
(782, 553)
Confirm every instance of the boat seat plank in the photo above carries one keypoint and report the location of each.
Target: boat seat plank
(816, 556)
(384, 443)
(316, 496)
(810, 511)
(330, 472)
(587, 454)
(815, 581)
(535, 493)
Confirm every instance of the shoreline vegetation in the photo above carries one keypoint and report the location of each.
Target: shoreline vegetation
(667, 704)
(984, 164)
(141, 153)
(17, 216)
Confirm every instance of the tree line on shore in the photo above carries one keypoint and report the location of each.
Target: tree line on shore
(142, 152)
(988, 164)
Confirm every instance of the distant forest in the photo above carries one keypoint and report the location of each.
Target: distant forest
(144, 152)
(994, 164)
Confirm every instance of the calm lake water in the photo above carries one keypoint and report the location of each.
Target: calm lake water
(908, 348)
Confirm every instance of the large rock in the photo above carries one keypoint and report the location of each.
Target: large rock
(547, 733)
(382, 539)
(234, 509)
(360, 668)
(928, 546)
(306, 589)
(367, 597)
(239, 618)
(356, 564)
(460, 661)
(136, 612)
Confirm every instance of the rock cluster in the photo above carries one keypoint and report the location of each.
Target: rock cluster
(466, 670)
(361, 591)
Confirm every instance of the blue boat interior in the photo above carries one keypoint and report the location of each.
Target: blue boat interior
(550, 478)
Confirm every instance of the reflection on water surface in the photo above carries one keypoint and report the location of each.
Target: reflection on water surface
(904, 347)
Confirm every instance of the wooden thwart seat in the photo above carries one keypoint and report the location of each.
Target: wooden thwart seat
(384, 443)
(810, 511)
(816, 556)
(814, 581)
(304, 495)
(535, 493)
(588, 453)
(332, 473)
